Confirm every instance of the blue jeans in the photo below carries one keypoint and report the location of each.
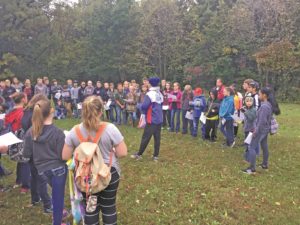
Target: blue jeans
(112, 109)
(175, 113)
(75, 108)
(57, 180)
(23, 174)
(39, 189)
(186, 122)
(262, 140)
(121, 115)
(132, 116)
(227, 130)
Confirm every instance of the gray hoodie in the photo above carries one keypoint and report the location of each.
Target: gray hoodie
(47, 149)
(264, 116)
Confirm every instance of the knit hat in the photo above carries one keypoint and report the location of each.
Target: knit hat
(154, 81)
(198, 91)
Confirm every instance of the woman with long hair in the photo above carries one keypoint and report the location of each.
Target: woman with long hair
(111, 143)
(268, 107)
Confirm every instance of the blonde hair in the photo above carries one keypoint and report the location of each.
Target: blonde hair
(41, 112)
(91, 108)
(187, 87)
(35, 99)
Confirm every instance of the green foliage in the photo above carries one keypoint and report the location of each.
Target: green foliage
(128, 39)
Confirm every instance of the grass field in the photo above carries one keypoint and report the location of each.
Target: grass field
(194, 182)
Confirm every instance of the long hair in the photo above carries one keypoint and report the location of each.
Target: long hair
(35, 99)
(271, 98)
(41, 112)
(91, 109)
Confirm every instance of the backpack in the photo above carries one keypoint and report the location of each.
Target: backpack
(274, 126)
(92, 175)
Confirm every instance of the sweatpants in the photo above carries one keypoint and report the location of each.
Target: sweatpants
(106, 203)
(151, 129)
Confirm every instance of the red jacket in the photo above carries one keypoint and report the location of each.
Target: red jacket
(178, 101)
(14, 118)
(221, 93)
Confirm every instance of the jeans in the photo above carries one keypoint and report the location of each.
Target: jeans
(166, 118)
(227, 130)
(151, 129)
(57, 180)
(39, 189)
(23, 174)
(112, 109)
(75, 108)
(132, 116)
(186, 122)
(195, 127)
(259, 139)
(121, 115)
(175, 113)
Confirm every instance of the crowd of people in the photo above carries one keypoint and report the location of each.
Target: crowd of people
(162, 104)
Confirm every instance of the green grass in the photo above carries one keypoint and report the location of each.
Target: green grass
(194, 183)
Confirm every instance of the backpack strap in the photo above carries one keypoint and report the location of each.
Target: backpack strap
(79, 135)
(96, 139)
(99, 133)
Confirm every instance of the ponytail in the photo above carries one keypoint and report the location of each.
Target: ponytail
(271, 99)
(91, 109)
(41, 111)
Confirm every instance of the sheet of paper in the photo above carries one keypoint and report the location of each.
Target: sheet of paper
(2, 116)
(79, 106)
(107, 105)
(249, 138)
(189, 115)
(9, 139)
(173, 97)
(203, 118)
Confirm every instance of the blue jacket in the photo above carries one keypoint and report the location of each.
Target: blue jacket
(227, 108)
(199, 105)
(152, 106)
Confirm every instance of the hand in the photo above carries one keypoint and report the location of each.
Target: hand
(3, 149)
(243, 109)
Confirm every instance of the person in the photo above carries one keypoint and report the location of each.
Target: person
(81, 96)
(120, 105)
(98, 89)
(40, 88)
(212, 115)
(105, 99)
(89, 90)
(44, 143)
(141, 98)
(220, 88)
(146, 82)
(111, 140)
(38, 190)
(187, 97)
(166, 106)
(16, 84)
(131, 102)
(226, 116)
(60, 111)
(67, 100)
(175, 103)
(70, 84)
(13, 121)
(163, 85)
(246, 88)
(112, 108)
(7, 95)
(261, 132)
(238, 104)
(253, 90)
(56, 91)
(249, 121)
(75, 98)
(152, 109)
(48, 85)
(126, 87)
(28, 89)
(198, 106)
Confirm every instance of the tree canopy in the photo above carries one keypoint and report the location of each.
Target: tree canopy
(190, 41)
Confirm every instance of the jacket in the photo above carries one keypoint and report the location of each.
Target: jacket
(152, 106)
(186, 99)
(249, 120)
(212, 109)
(264, 116)
(14, 118)
(199, 105)
(178, 100)
(227, 108)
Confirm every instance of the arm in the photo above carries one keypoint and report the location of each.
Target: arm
(28, 145)
(121, 150)
(67, 152)
(3, 149)
(146, 103)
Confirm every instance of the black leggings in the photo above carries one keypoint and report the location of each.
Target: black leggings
(106, 203)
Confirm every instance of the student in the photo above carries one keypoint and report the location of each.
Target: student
(81, 96)
(40, 88)
(7, 95)
(253, 90)
(48, 85)
(75, 98)
(111, 138)
(98, 89)
(44, 143)
(220, 88)
(163, 85)
(131, 102)
(89, 90)
(238, 104)
(175, 104)
(120, 104)
(187, 97)
(13, 121)
(249, 121)
(112, 108)
(212, 116)
(199, 105)
(152, 109)
(38, 192)
(141, 99)
(126, 87)
(166, 106)
(16, 84)
(67, 100)
(226, 116)
(60, 111)
(56, 91)
(105, 98)
(246, 87)
(261, 132)
(28, 89)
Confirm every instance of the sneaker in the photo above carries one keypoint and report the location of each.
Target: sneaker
(48, 211)
(249, 171)
(155, 158)
(264, 166)
(136, 156)
(24, 190)
(232, 145)
(34, 204)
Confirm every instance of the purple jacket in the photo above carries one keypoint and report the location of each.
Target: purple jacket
(152, 106)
